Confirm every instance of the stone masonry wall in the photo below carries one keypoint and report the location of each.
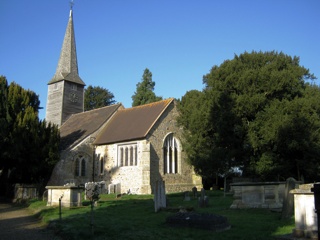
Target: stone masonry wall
(133, 178)
(185, 179)
(64, 171)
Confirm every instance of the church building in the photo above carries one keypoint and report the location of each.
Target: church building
(130, 148)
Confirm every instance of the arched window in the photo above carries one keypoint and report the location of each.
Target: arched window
(80, 166)
(171, 154)
(83, 167)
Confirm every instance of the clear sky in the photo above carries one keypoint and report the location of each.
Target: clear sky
(178, 40)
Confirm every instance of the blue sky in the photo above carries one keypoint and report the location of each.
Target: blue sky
(178, 40)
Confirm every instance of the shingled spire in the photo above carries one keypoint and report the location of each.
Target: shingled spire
(65, 89)
(67, 68)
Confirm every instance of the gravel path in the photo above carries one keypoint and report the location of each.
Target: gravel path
(18, 223)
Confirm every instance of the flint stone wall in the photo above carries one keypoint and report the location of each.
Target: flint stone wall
(64, 171)
(142, 178)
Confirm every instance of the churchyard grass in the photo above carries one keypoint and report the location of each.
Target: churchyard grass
(133, 217)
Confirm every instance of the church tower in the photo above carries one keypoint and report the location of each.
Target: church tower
(66, 89)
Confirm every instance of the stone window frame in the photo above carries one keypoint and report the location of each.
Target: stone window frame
(127, 155)
(80, 168)
(171, 156)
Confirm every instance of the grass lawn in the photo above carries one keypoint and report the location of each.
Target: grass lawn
(133, 217)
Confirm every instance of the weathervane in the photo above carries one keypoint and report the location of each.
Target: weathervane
(71, 4)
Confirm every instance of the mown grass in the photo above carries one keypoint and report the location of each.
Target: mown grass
(133, 217)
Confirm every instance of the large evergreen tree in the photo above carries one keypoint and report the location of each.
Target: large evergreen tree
(29, 147)
(144, 93)
(245, 98)
(97, 97)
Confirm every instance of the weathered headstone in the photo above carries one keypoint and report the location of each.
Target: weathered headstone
(288, 199)
(159, 196)
(195, 192)
(186, 196)
(203, 199)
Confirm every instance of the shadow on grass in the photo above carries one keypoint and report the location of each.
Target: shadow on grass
(133, 217)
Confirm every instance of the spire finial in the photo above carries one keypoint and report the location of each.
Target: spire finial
(71, 4)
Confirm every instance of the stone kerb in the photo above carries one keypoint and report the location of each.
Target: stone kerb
(70, 196)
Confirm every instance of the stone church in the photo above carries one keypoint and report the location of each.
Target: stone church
(130, 148)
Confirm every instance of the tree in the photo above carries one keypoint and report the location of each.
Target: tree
(242, 96)
(144, 93)
(29, 147)
(286, 136)
(97, 97)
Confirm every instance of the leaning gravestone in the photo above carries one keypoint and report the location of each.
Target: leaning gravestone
(288, 199)
(159, 196)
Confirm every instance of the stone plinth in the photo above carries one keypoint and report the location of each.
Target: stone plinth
(304, 211)
(70, 196)
(258, 194)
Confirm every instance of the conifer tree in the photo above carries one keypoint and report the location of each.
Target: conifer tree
(29, 147)
(144, 93)
(97, 97)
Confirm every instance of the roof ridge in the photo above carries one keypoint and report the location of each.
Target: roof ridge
(97, 109)
(149, 104)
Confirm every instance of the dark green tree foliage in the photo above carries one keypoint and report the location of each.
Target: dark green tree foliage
(97, 97)
(261, 116)
(286, 136)
(29, 147)
(144, 93)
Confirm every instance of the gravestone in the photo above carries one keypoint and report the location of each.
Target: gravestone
(288, 199)
(203, 199)
(186, 196)
(159, 196)
(195, 192)
(305, 216)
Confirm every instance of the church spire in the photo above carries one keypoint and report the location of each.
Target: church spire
(67, 68)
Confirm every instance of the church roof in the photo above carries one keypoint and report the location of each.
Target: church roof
(67, 68)
(81, 125)
(132, 123)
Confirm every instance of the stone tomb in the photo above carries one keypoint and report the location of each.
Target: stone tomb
(24, 191)
(304, 211)
(258, 195)
(70, 196)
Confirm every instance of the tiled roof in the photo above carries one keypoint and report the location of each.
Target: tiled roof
(132, 123)
(81, 125)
